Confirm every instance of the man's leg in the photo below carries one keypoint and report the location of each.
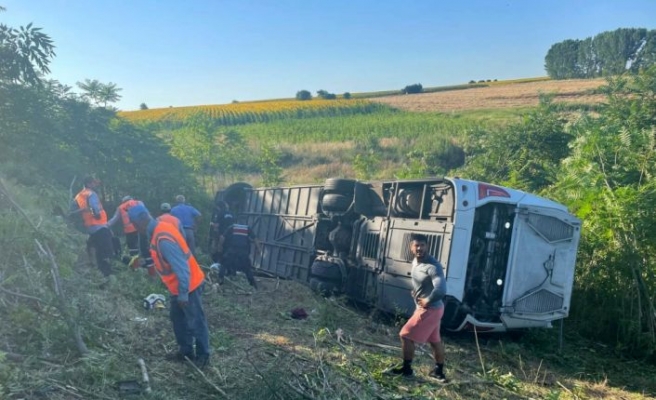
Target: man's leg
(132, 243)
(181, 331)
(437, 348)
(102, 244)
(191, 240)
(198, 325)
(247, 268)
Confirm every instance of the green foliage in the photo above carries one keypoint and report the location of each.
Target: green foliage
(609, 181)
(524, 155)
(25, 54)
(100, 93)
(143, 106)
(346, 95)
(606, 54)
(412, 89)
(325, 95)
(269, 160)
(367, 157)
(303, 95)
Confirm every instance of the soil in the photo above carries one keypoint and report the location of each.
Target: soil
(497, 96)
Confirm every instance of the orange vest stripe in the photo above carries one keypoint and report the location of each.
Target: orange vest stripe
(166, 231)
(82, 200)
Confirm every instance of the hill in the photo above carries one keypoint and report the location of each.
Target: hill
(500, 96)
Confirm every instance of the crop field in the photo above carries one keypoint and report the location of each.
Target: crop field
(253, 112)
(499, 96)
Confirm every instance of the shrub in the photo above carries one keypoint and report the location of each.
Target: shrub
(303, 95)
(410, 89)
(325, 95)
(346, 95)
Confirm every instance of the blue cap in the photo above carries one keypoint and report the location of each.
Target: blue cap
(137, 212)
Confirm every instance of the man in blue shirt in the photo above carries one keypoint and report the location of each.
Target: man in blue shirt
(188, 216)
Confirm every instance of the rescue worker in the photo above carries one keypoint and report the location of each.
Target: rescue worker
(95, 222)
(236, 244)
(166, 216)
(183, 277)
(188, 215)
(135, 242)
(217, 226)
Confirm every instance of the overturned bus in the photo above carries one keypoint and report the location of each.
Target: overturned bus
(508, 256)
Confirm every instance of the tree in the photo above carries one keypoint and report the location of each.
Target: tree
(99, 93)
(326, 95)
(609, 180)
(411, 89)
(143, 106)
(303, 95)
(25, 54)
(346, 95)
(606, 54)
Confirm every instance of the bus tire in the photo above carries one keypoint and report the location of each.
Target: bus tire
(336, 202)
(326, 270)
(339, 186)
(324, 288)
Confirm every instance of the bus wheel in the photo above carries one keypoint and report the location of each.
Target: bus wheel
(325, 270)
(336, 202)
(324, 288)
(339, 185)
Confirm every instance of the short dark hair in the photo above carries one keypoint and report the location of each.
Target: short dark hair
(418, 237)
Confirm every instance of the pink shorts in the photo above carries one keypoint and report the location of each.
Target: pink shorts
(423, 326)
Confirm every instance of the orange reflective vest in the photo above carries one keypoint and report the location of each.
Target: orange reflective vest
(164, 231)
(128, 227)
(171, 220)
(82, 200)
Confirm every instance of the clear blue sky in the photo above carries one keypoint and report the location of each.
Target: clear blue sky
(191, 52)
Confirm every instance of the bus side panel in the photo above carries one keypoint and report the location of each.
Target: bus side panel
(283, 220)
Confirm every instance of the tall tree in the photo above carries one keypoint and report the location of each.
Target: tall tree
(99, 93)
(25, 54)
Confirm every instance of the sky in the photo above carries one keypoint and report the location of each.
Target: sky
(194, 52)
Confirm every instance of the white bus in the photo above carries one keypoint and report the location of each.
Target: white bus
(508, 256)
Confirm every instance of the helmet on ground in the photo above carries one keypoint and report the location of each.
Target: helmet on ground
(154, 301)
(126, 198)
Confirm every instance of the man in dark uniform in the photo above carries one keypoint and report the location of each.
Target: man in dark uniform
(236, 244)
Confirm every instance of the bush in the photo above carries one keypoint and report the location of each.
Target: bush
(410, 89)
(325, 95)
(346, 95)
(303, 95)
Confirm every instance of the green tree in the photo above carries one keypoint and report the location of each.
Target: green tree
(25, 54)
(609, 180)
(99, 93)
(303, 95)
(143, 106)
(525, 155)
(269, 163)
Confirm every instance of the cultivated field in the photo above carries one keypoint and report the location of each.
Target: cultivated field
(498, 96)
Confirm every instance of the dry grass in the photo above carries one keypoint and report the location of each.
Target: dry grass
(498, 96)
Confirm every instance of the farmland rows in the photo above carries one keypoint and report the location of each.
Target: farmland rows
(253, 112)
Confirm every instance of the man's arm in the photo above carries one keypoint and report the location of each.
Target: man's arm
(436, 274)
(114, 218)
(173, 254)
(94, 205)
